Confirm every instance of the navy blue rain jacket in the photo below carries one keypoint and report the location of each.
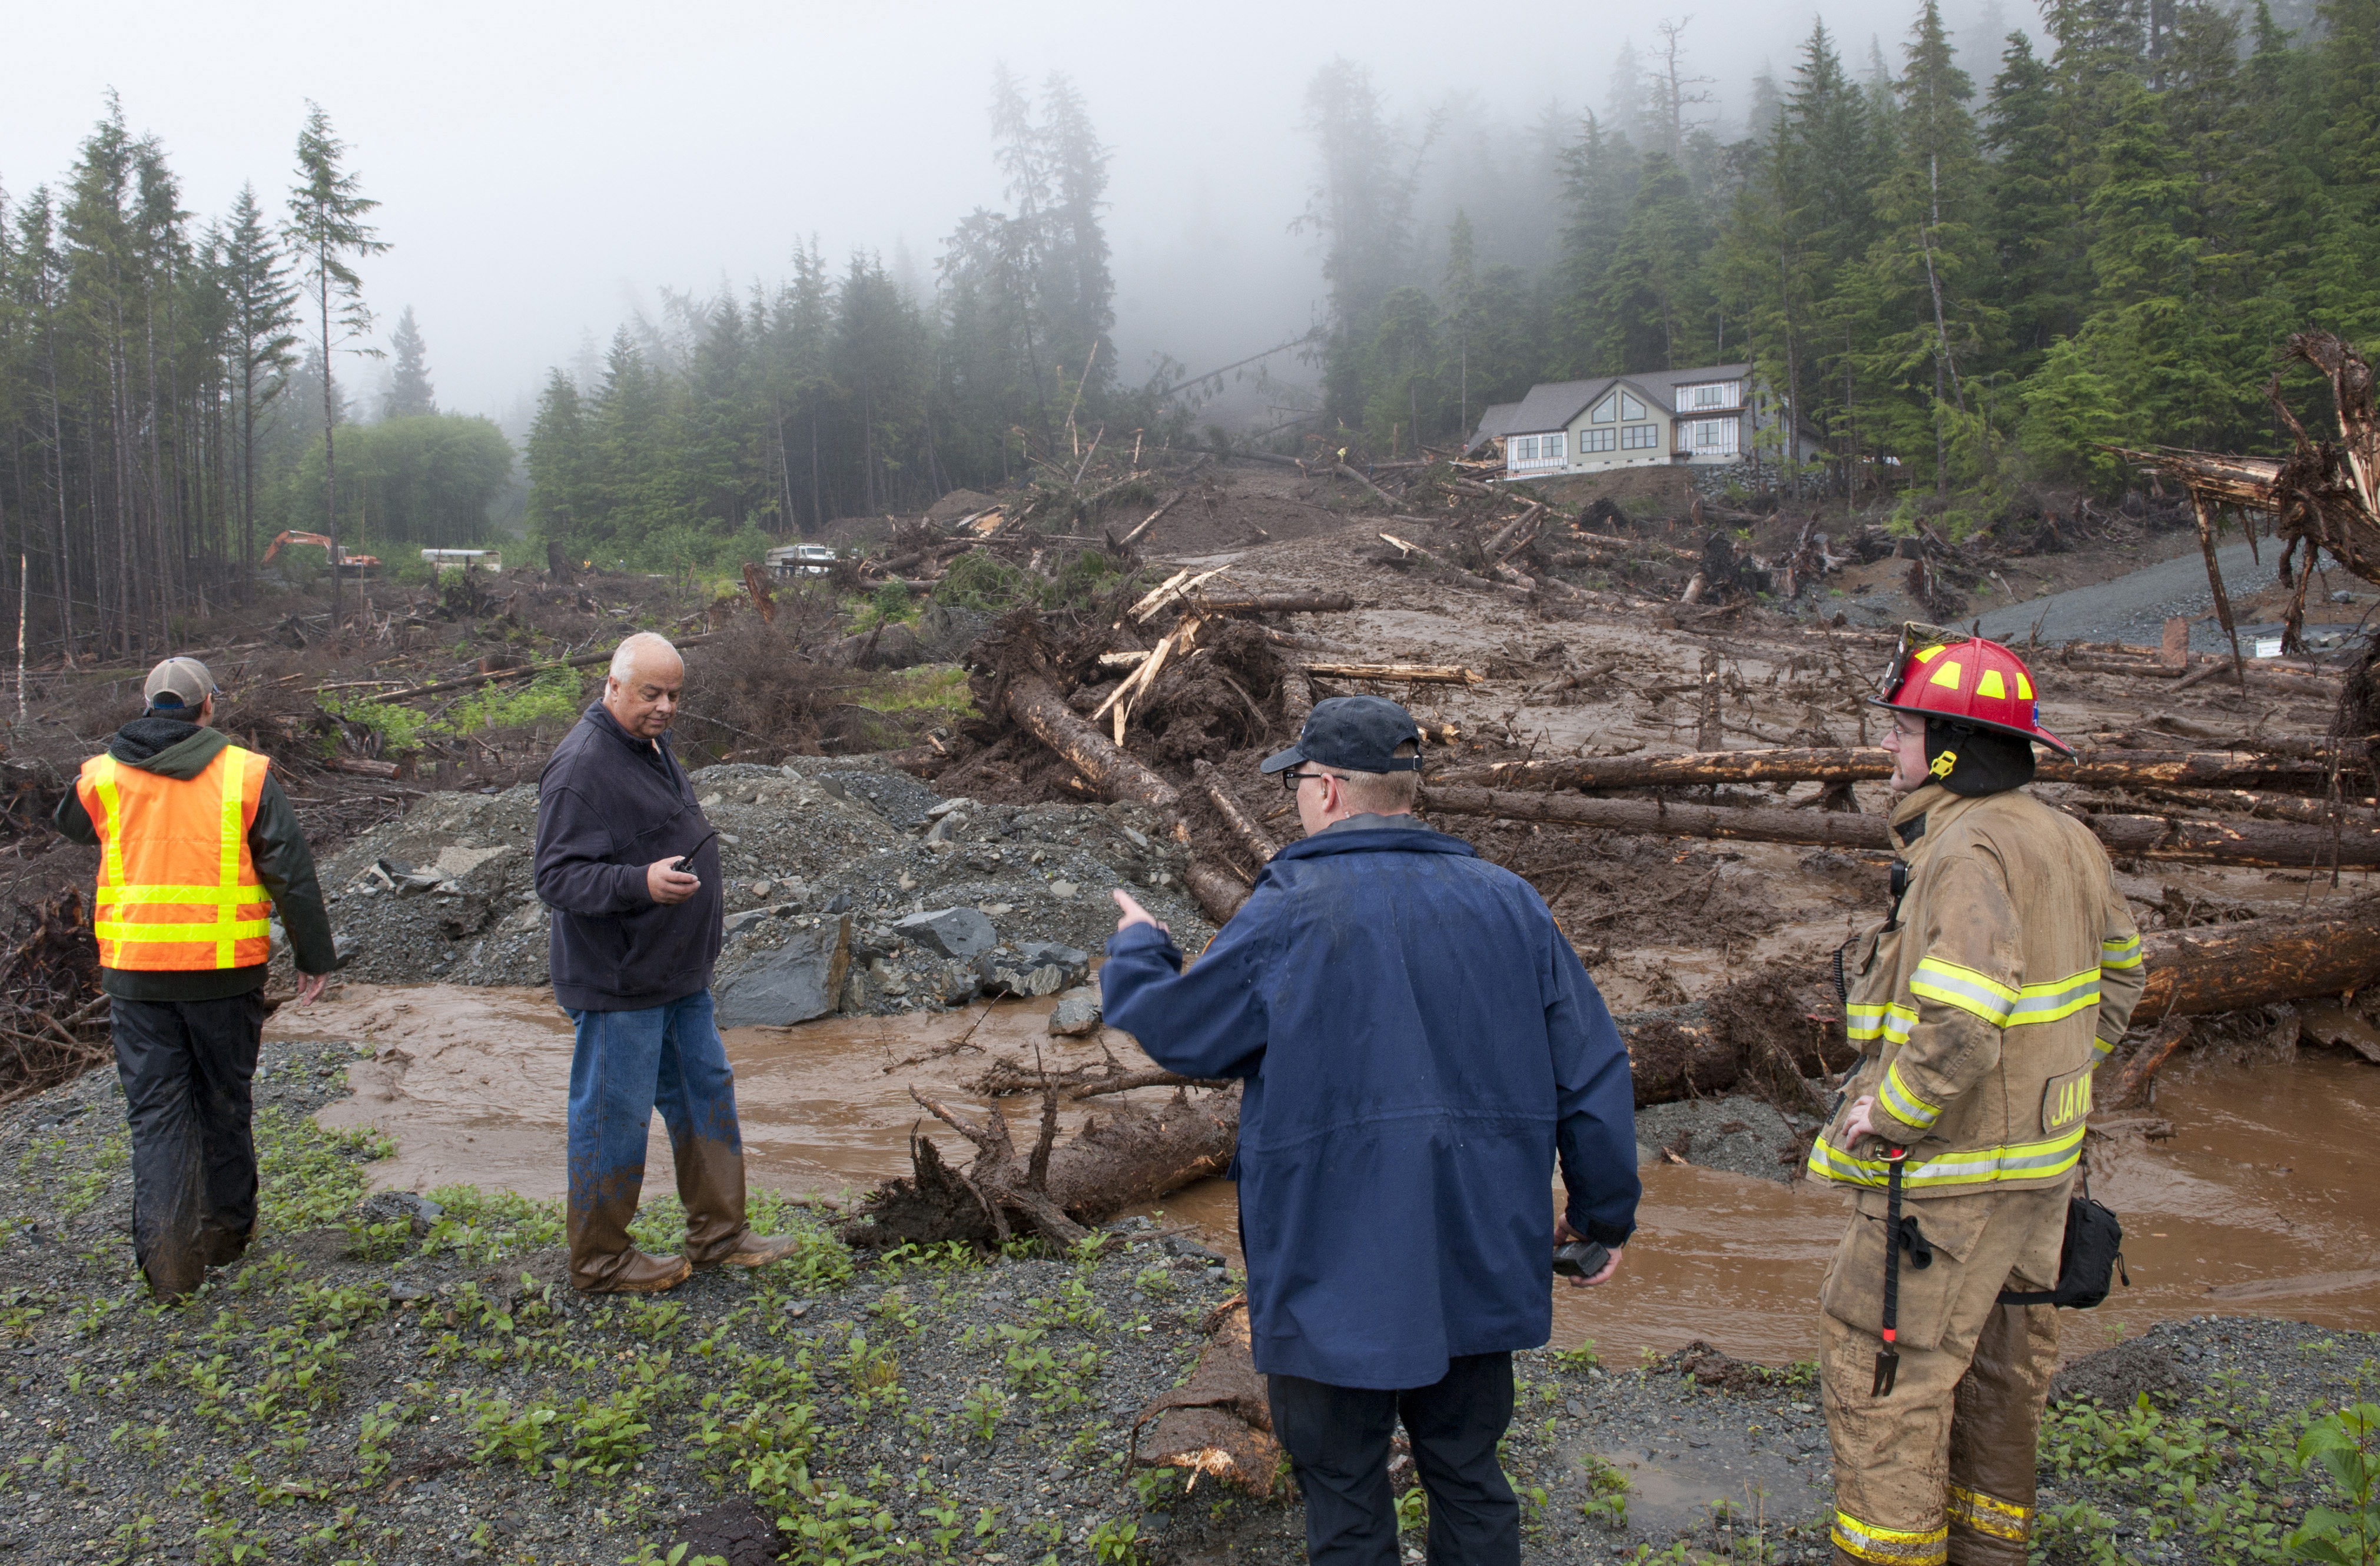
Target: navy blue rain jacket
(608, 804)
(1420, 1044)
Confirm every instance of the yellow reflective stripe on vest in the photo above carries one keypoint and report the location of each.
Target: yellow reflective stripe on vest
(135, 897)
(111, 832)
(1894, 1023)
(1903, 1105)
(1989, 1514)
(1975, 1165)
(2100, 1050)
(2124, 953)
(2059, 998)
(1964, 988)
(235, 775)
(1891, 1547)
(1997, 1005)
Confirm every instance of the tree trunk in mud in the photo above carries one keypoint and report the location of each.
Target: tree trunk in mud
(1121, 1157)
(2101, 769)
(1045, 715)
(1218, 1423)
(2146, 837)
(1218, 895)
(2254, 963)
(1278, 603)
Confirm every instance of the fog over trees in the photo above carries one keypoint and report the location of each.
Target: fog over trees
(1980, 252)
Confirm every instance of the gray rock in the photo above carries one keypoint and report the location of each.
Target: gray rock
(1077, 1013)
(953, 932)
(1738, 1134)
(1047, 953)
(2115, 1378)
(801, 979)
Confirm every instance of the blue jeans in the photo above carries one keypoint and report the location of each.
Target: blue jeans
(626, 1064)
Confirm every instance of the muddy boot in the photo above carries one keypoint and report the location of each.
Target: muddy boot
(710, 1185)
(603, 1261)
(220, 1247)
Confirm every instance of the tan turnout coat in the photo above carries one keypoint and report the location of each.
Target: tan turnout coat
(2008, 973)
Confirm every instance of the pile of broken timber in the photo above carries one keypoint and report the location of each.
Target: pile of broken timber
(1092, 746)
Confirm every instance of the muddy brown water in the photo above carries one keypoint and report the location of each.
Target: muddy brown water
(2259, 1204)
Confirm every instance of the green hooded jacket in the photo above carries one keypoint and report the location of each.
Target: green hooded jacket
(173, 748)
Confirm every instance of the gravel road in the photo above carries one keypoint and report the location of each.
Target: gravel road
(2134, 608)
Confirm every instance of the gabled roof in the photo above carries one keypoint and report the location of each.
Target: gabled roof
(1552, 404)
(1497, 420)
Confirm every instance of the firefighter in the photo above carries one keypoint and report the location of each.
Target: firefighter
(198, 848)
(2004, 973)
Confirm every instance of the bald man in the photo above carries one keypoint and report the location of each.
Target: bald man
(631, 871)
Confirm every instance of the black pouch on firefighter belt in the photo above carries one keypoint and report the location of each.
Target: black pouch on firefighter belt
(2089, 1262)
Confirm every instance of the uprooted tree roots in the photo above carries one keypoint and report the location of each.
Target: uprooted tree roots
(53, 1026)
(1127, 1156)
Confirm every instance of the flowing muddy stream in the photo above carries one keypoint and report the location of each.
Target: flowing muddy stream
(2259, 1204)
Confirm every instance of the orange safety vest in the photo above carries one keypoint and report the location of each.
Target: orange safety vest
(177, 889)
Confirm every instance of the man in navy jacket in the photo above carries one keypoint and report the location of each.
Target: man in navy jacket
(625, 861)
(1420, 1047)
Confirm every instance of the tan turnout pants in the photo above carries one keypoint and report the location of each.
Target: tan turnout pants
(1941, 1469)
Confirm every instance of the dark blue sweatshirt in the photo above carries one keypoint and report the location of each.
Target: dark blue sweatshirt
(608, 804)
(1420, 1047)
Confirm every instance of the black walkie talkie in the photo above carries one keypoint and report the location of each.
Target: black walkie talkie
(687, 863)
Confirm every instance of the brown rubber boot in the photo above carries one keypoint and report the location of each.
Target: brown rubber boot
(603, 1261)
(710, 1185)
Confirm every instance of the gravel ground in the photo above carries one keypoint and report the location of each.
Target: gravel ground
(380, 1383)
(447, 892)
(2134, 608)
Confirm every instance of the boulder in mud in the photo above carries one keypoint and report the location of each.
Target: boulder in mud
(801, 979)
(952, 933)
(1076, 1015)
(1038, 967)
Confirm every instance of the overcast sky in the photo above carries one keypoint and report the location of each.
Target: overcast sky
(544, 170)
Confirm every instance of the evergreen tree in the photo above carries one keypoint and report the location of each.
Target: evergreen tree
(2031, 226)
(409, 393)
(1657, 307)
(1363, 213)
(1598, 186)
(327, 233)
(254, 278)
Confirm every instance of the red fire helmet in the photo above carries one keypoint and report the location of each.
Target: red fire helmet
(1961, 679)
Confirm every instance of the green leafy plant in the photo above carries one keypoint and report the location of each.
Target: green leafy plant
(2345, 1447)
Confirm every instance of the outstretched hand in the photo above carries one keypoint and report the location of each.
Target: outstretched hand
(1134, 914)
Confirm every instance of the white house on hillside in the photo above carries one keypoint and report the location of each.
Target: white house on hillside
(1708, 415)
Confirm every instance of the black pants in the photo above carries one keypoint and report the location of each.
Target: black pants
(186, 1066)
(1338, 1441)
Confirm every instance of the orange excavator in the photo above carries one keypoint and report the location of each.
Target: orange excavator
(354, 565)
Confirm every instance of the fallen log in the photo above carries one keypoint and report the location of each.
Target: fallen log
(361, 768)
(1278, 603)
(2145, 837)
(1120, 1158)
(2263, 807)
(1043, 713)
(1218, 1423)
(1218, 895)
(1254, 839)
(2097, 769)
(1410, 674)
(1509, 536)
(2255, 962)
(1346, 472)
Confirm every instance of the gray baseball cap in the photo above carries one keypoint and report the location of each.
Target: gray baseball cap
(179, 682)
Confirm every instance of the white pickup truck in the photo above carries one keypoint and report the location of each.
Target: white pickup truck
(801, 560)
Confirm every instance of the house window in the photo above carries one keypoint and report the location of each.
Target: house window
(1721, 393)
(1596, 440)
(1606, 412)
(1640, 436)
(1629, 407)
(1712, 436)
(1552, 448)
(1525, 449)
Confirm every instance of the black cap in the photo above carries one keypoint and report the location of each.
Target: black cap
(1359, 732)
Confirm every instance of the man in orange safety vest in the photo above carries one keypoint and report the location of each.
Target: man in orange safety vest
(198, 850)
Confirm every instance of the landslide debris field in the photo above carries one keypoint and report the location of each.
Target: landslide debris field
(928, 767)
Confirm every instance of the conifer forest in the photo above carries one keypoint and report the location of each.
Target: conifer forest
(1969, 268)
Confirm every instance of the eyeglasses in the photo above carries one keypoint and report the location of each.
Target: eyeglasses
(1288, 781)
